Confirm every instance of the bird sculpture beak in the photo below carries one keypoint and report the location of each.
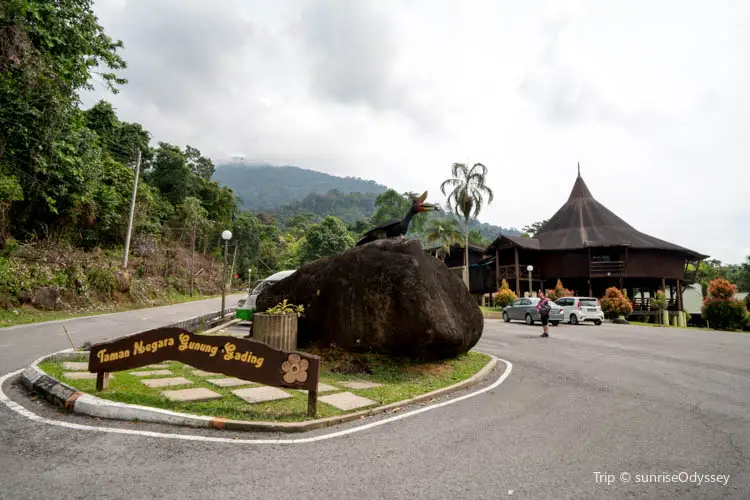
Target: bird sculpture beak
(426, 207)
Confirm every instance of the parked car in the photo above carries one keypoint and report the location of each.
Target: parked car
(525, 310)
(577, 309)
(246, 307)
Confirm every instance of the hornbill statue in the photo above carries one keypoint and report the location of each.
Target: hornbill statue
(395, 228)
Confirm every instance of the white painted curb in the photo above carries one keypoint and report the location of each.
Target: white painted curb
(19, 409)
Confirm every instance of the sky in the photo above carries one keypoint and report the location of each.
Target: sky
(650, 97)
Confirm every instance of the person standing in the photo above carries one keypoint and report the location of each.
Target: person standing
(544, 308)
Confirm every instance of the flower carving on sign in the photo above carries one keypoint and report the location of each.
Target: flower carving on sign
(295, 369)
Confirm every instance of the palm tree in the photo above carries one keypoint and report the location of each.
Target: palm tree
(468, 193)
(443, 232)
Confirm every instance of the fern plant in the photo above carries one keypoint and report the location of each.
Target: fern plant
(285, 307)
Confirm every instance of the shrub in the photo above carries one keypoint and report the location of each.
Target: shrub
(505, 296)
(558, 292)
(721, 289)
(102, 280)
(720, 309)
(615, 303)
(724, 314)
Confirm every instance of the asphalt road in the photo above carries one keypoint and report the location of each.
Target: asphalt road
(586, 403)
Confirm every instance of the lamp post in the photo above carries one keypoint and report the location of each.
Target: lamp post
(529, 268)
(226, 235)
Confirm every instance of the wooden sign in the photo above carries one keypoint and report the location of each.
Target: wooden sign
(246, 359)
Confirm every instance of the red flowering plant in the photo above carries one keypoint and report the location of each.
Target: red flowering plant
(505, 296)
(615, 303)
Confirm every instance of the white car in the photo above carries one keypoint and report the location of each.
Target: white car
(246, 307)
(578, 309)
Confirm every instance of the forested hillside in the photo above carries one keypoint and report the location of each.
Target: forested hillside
(266, 187)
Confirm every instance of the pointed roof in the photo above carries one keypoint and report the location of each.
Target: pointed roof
(584, 222)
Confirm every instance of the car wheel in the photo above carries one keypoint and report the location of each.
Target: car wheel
(597, 322)
(555, 323)
(529, 319)
(573, 319)
(506, 318)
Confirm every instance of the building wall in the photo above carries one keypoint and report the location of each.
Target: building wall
(656, 264)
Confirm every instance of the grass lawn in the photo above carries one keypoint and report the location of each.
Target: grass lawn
(26, 315)
(401, 380)
(491, 309)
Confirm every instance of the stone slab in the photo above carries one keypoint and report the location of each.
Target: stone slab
(194, 394)
(80, 375)
(347, 401)
(229, 382)
(322, 388)
(166, 382)
(151, 373)
(201, 373)
(75, 365)
(261, 394)
(360, 384)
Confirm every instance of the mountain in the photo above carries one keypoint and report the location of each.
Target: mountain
(287, 191)
(267, 187)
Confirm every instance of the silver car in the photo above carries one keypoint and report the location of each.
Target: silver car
(525, 310)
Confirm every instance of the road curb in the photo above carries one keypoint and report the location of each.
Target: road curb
(67, 397)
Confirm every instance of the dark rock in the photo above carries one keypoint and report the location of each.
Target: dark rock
(387, 296)
(46, 297)
(620, 321)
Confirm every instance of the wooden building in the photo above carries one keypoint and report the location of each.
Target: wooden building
(481, 267)
(590, 249)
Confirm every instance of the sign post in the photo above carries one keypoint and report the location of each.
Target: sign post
(243, 358)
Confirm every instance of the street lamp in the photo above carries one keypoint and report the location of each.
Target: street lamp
(226, 235)
(529, 268)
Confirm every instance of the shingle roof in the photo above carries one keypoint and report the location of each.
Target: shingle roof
(584, 222)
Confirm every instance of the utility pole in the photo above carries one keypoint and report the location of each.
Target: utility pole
(132, 211)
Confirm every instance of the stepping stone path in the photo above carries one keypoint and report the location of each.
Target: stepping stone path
(360, 384)
(80, 375)
(260, 394)
(322, 388)
(154, 367)
(201, 373)
(75, 365)
(166, 382)
(187, 395)
(347, 401)
(151, 373)
(230, 382)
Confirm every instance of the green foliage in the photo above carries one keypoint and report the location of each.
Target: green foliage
(102, 280)
(533, 229)
(720, 309)
(505, 296)
(325, 239)
(392, 205)
(443, 233)
(284, 307)
(477, 238)
(615, 303)
(265, 187)
(724, 314)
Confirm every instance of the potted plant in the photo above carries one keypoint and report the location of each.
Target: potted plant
(659, 303)
(277, 327)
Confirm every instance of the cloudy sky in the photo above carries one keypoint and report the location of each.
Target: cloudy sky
(650, 97)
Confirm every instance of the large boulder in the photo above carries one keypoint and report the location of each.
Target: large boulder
(46, 298)
(387, 296)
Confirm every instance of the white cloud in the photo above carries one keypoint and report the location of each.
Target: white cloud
(649, 97)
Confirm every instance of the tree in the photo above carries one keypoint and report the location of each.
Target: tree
(468, 192)
(392, 205)
(533, 229)
(444, 233)
(327, 238)
(477, 238)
